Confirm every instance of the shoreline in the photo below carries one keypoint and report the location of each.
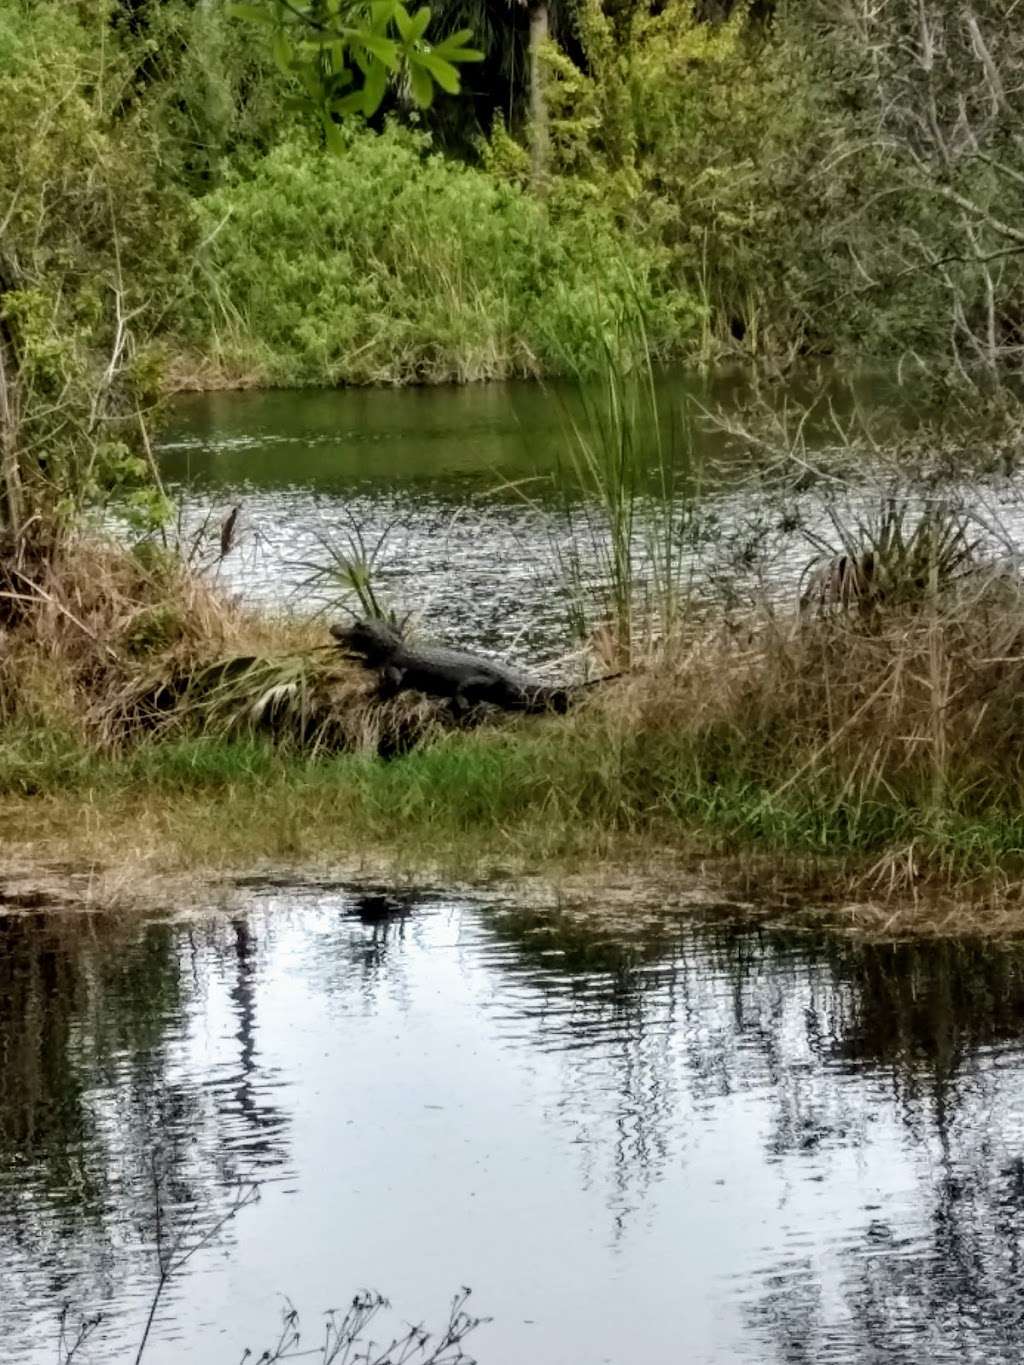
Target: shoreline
(125, 864)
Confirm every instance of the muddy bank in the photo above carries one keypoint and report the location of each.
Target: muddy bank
(630, 901)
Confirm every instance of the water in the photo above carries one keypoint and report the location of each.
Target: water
(659, 1142)
(452, 490)
(691, 1141)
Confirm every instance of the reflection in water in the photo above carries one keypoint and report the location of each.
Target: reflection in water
(705, 1142)
(936, 1022)
(101, 1111)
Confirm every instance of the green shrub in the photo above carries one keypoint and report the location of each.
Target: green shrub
(394, 265)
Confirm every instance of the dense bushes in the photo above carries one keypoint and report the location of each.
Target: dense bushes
(91, 238)
(805, 185)
(393, 265)
(838, 180)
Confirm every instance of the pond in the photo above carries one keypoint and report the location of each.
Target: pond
(454, 491)
(674, 1140)
(701, 1141)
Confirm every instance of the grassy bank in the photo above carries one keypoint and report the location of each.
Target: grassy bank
(505, 800)
(872, 750)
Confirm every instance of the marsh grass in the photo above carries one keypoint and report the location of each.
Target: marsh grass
(626, 481)
(890, 755)
(143, 713)
(108, 647)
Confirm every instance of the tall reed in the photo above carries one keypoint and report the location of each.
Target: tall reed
(627, 481)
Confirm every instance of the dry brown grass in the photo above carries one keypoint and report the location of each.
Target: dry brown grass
(928, 696)
(186, 372)
(924, 699)
(863, 759)
(114, 645)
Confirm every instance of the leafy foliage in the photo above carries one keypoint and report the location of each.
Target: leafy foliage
(342, 54)
(394, 264)
(84, 221)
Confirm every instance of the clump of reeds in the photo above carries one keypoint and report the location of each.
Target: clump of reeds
(847, 731)
(626, 483)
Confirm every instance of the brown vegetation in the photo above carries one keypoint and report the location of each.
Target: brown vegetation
(115, 645)
(872, 748)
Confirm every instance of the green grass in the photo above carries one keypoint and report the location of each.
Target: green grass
(544, 793)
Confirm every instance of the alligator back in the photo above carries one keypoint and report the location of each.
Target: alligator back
(441, 671)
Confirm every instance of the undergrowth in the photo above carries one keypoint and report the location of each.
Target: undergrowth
(883, 742)
(396, 265)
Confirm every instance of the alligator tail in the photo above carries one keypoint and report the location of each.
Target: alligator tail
(608, 677)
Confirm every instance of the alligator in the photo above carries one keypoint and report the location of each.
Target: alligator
(466, 679)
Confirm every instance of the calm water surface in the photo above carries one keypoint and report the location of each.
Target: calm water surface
(710, 1143)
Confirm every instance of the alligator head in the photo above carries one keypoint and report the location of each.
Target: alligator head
(373, 640)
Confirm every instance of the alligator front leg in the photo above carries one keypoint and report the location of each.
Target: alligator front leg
(391, 679)
(471, 693)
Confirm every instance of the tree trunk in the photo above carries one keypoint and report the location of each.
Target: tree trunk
(538, 106)
(10, 472)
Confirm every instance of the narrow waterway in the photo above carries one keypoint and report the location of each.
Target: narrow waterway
(704, 1142)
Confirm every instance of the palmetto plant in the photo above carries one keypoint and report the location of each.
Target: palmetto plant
(347, 571)
(896, 556)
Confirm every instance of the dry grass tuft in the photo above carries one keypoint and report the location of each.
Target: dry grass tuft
(884, 746)
(846, 717)
(114, 645)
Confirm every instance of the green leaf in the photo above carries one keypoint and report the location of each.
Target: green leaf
(281, 51)
(380, 14)
(310, 80)
(382, 48)
(373, 89)
(443, 72)
(337, 81)
(349, 104)
(332, 136)
(422, 86)
(419, 23)
(412, 27)
(253, 13)
(453, 49)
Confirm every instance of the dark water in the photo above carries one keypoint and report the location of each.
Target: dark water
(452, 490)
(711, 1144)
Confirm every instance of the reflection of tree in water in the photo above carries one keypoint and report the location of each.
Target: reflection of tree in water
(96, 1092)
(667, 1022)
(653, 1033)
(261, 1122)
(609, 1005)
(828, 1032)
(938, 1277)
